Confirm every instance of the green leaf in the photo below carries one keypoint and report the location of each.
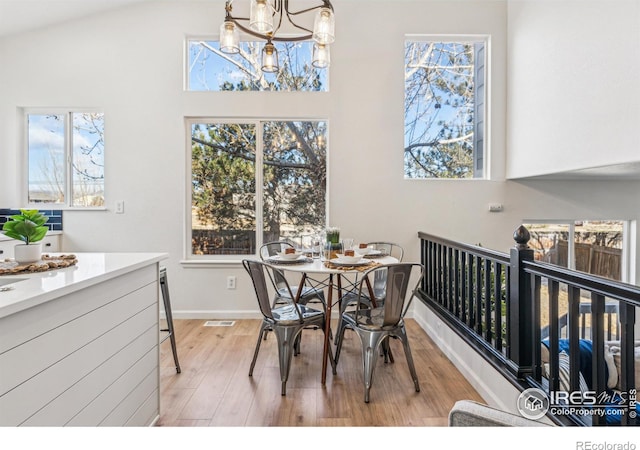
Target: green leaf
(26, 227)
(39, 234)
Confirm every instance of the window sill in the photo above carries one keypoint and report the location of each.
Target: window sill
(213, 263)
(45, 207)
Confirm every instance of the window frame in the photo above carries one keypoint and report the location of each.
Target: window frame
(486, 108)
(68, 157)
(627, 274)
(192, 259)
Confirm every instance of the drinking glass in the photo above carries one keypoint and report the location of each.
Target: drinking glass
(331, 251)
(347, 244)
(316, 246)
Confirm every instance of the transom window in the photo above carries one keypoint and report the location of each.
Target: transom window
(65, 158)
(254, 181)
(445, 95)
(209, 69)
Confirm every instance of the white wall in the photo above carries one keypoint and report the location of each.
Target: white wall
(573, 86)
(129, 62)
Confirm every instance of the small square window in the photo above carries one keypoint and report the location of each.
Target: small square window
(65, 154)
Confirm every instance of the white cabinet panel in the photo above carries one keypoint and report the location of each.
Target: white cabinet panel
(50, 244)
(6, 249)
(90, 357)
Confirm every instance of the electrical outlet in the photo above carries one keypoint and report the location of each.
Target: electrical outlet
(231, 282)
(495, 207)
(120, 207)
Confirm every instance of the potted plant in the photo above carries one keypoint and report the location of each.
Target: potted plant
(28, 227)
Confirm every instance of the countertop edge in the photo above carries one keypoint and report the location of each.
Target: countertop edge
(12, 303)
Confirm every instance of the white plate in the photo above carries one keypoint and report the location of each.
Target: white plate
(349, 259)
(298, 259)
(341, 262)
(289, 256)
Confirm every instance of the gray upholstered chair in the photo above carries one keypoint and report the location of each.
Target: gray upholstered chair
(468, 413)
(376, 324)
(286, 319)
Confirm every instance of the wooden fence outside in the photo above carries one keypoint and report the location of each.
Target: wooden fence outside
(594, 259)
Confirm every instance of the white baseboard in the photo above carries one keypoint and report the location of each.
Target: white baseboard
(213, 314)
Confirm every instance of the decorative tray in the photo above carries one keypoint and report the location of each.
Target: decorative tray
(11, 266)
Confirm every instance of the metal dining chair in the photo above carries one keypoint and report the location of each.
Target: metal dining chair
(308, 294)
(281, 286)
(375, 325)
(287, 319)
(378, 283)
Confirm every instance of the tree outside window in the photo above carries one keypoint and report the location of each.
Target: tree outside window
(209, 69)
(444, 109)
(254, 182)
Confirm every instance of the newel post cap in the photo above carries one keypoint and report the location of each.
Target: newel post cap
(521, 236)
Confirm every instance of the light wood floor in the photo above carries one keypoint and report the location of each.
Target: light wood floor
(214, 388)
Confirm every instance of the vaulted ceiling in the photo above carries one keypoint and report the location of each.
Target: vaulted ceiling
(17, 16)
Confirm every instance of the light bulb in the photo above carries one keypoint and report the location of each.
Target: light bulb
(324, 27)
(261, 18)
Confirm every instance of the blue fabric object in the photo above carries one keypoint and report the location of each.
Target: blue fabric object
(615, 419)
(586, 351)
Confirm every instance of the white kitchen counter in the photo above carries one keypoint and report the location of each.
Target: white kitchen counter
(79, 346)
(92, 268)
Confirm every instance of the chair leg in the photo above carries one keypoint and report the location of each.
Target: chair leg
(386, 351)
(296, 345)
(339, 336)
(339, 331)
(286, 337)
(407, 351)
(263, 333)
(370, 344)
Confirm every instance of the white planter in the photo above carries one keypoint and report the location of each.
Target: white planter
(28, 253)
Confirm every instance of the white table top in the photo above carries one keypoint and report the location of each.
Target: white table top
(317, 266)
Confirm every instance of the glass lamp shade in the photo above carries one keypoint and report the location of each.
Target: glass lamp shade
(229, 38)
(324, 27)
(261, 18)
(321, 56)
(269, 58)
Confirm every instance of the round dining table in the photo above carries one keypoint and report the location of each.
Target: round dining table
(331, 275)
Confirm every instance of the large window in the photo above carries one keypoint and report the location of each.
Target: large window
(598, 247)
(208, 69)
(253, 182)
(65, 158)
(444, 108)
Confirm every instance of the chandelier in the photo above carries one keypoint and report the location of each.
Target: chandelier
(264, 22)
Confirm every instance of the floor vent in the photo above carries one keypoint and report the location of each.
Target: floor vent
(219, 323)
